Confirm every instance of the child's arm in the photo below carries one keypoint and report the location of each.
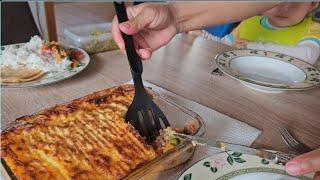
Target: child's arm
(227, 39)
(306, 50)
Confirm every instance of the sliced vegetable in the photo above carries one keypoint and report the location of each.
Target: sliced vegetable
(174, 141)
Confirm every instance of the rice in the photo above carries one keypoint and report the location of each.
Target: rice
(29, 55)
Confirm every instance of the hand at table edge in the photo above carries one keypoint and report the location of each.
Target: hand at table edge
(305, 163)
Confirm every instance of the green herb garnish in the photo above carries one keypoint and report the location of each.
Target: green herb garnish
(174, 141)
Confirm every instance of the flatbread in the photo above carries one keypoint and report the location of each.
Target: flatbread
(21, 74)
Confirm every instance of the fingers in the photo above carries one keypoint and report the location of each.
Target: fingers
(136, 23)
(145, 53)
(142, 47)
(303, 164)
(316, 176)
(142, 19)
(116, 34)
(140, 43)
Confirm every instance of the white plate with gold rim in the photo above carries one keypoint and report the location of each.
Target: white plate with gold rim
(237, 166)
(268, 71)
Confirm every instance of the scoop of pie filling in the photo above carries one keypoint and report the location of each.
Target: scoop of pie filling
(87, 138)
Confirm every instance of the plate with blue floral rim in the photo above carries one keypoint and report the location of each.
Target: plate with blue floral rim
(237, 166)
(268, 71)
(51, 77)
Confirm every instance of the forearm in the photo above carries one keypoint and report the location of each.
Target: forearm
(191, 16)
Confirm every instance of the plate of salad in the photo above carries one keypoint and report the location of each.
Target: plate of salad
(39, 62)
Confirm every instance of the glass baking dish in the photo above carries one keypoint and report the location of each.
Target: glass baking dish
(178, 117)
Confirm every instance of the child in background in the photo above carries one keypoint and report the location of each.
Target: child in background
(286, 28)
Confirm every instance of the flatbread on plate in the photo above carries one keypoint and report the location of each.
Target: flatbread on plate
(21, 74)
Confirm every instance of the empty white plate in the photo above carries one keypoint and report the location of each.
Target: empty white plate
(268, 71)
